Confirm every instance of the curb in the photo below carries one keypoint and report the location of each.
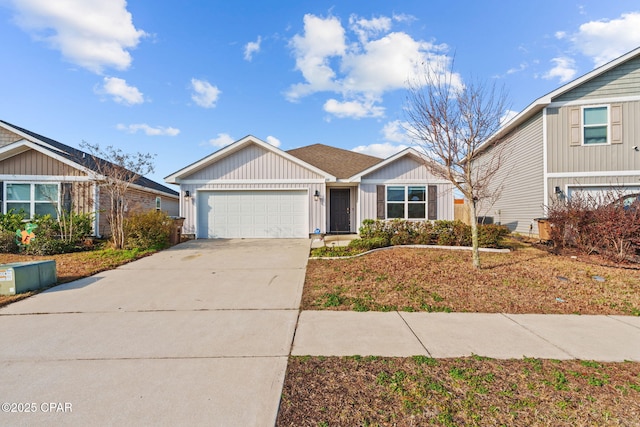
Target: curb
(451, 248)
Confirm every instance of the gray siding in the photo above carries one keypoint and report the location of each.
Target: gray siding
(623, 80)
(317, 210)
(563, 157)
(406, 170)
(518, 183)
(253, 162)
(33, 162)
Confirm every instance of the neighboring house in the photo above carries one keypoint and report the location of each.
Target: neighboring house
(42, 176)
(253, 189)
(582, 137)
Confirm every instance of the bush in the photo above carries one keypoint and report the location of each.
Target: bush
(441, 232)
(599, 225)
(369, 244)
(8, 244)
(11, 221)
(147, 230)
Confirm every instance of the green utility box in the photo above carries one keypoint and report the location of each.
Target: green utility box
(18, 277)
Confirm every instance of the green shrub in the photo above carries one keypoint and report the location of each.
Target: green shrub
(11, 221)
(369, 244)
(147, 230)
(372, 228)
(491, 235)
(8, 244)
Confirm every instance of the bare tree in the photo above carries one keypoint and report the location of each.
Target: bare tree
(118, 171)
(450, 120)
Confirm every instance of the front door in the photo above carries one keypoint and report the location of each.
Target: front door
(339, 215)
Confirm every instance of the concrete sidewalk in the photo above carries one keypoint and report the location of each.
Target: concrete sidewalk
(444, 335)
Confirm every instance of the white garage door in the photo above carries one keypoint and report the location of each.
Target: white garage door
(256, 213)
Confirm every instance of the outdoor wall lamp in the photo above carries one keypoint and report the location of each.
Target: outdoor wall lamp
(316, 196)
(558, 190)
(187, 195)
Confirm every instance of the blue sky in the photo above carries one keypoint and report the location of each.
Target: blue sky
(183, 79)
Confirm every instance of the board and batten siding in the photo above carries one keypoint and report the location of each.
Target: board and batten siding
(253, 162)
(34, 163)
(317, 209)
(563, 157)
(407, 170)
(621, 81)
(519, 180)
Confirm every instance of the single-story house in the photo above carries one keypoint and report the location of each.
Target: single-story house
(253, 189)
(582, 137)
(42, 176)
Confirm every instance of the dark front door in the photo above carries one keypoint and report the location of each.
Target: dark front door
(339, 211)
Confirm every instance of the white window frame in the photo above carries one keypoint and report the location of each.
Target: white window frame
(407, 202)
(158, 203)
(585, 126)
(32, 195)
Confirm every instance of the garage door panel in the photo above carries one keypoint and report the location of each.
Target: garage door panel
(259, 213)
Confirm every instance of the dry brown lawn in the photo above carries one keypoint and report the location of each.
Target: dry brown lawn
(527, 280)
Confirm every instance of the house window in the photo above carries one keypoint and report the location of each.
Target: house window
(595, 122)
(158, 203)
(406, 202)
(33, 199)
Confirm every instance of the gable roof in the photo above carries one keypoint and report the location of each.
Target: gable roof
(542, 102)
(338, 162)
(240, 144)
(79, 158)
(412, 152)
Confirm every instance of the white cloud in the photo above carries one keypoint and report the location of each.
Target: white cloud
(383, 151)
(396, 131)
(222, 140)
(205, 94)
(366, 28)
(564, 69)
(353, 109)
(148, 130)
(121, 92)
(361, 69)
(251, 48)
(605, 40)
(273, 141)
(92, 34)
(508, 115)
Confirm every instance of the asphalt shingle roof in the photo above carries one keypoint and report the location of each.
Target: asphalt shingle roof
(338, 162)
(86, 159)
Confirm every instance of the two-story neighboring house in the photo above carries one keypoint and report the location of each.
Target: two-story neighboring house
(582, 137)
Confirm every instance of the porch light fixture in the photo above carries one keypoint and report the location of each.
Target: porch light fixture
(558, 190)
(316, 196)
(187, 195)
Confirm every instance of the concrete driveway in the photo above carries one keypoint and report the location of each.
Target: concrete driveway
(195, 335)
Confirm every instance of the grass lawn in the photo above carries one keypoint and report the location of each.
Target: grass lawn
(369, 391)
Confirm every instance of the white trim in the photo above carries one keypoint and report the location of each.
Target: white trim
(592, 174)
(592, 102)
(174, 178)
(16, 148)
(627, 184)
(250, 181)
(406, 182)
(608, 124)
(32, 196)
(47, 178)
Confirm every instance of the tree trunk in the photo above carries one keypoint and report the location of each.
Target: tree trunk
(475, 244)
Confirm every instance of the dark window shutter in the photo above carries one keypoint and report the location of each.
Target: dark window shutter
(66, 196)
(380, 201)
(1, 195)
(432, 201)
